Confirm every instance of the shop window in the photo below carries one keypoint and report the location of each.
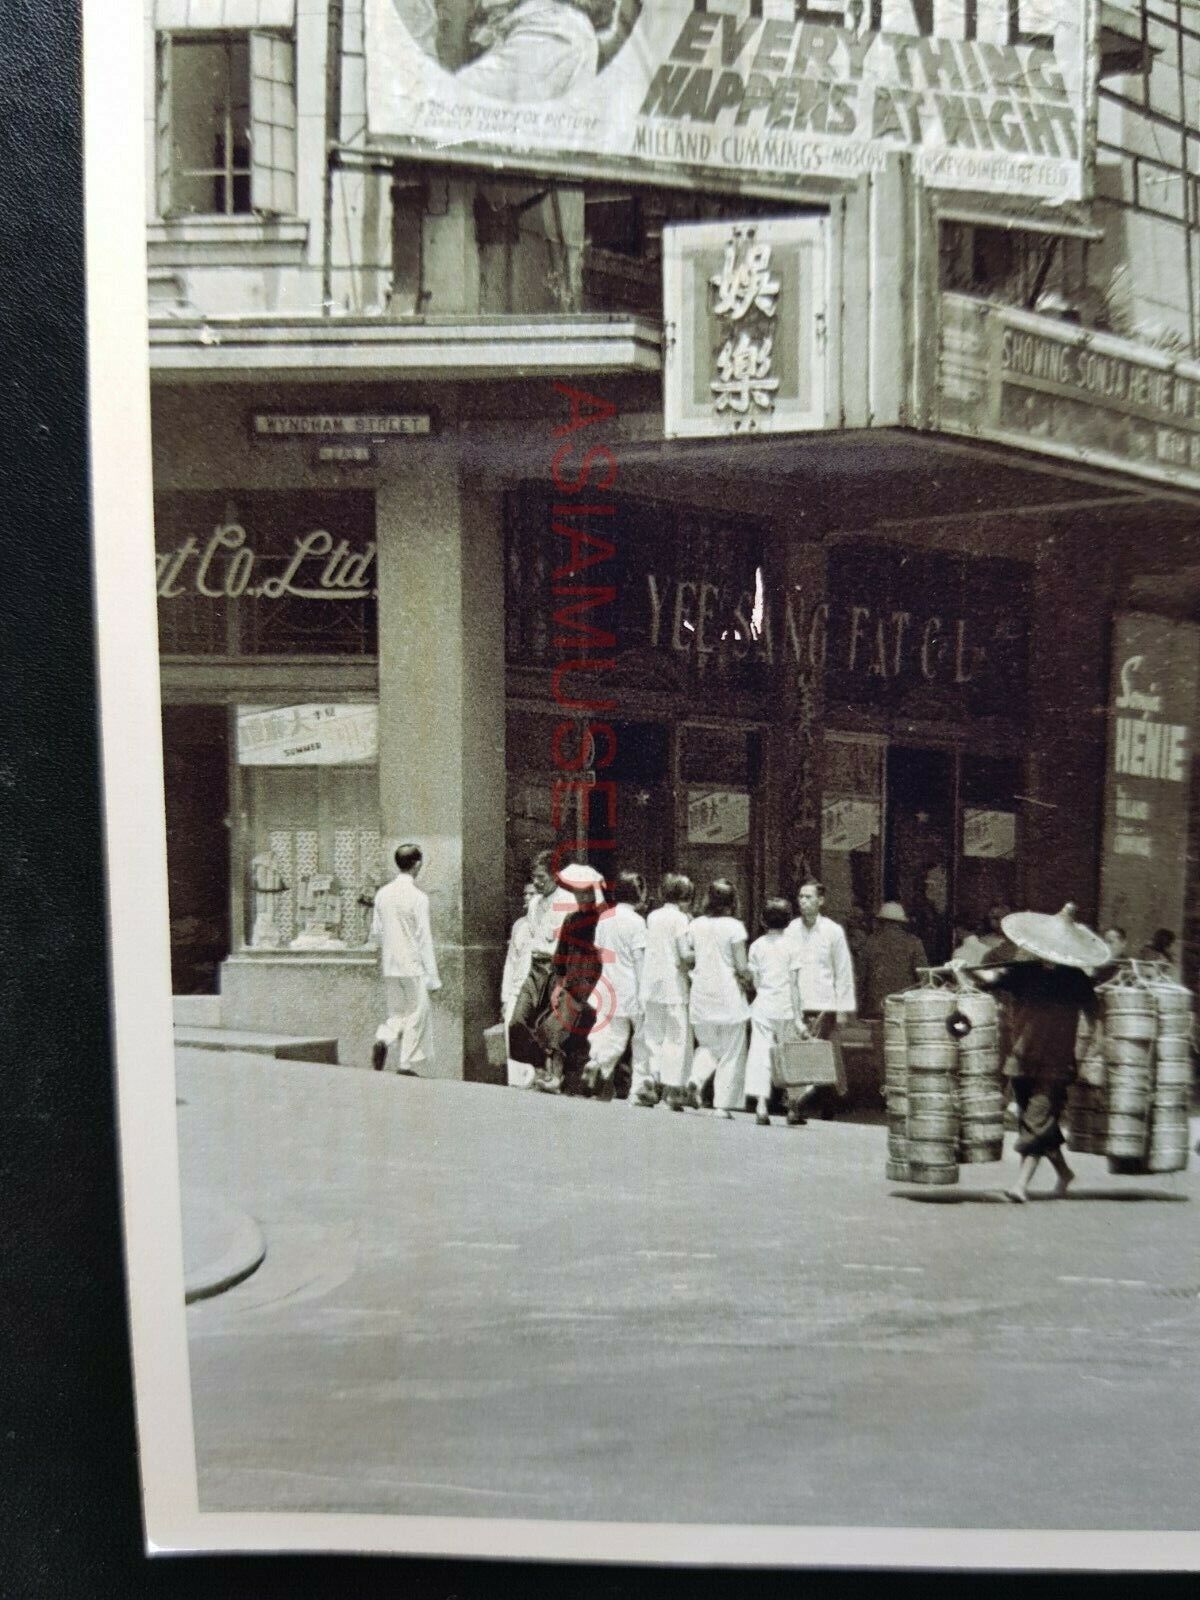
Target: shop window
(851, 828)
(990, 839)
(919, 848)
(226, 124)
(719, 769)
(310, 827)
(727, 753)
(1016, 267)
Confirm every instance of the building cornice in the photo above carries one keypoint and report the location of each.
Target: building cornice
(243, 349)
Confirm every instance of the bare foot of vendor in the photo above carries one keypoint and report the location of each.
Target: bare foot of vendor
(1064, 1177)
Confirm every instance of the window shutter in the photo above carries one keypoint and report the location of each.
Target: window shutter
(164, 152)
(272, 124)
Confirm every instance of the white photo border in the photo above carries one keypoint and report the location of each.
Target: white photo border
(141, 993)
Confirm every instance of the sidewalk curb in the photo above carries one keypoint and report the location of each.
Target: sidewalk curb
(229, 1244)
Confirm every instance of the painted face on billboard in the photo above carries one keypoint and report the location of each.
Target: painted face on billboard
(520, 52)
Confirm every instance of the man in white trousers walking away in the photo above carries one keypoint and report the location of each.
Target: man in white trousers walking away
(400, 927)
(714, 949)
(666, 987)
(617, 997)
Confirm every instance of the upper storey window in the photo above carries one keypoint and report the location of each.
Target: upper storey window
(226, 123)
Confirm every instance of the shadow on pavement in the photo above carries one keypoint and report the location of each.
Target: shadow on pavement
(993, 1197)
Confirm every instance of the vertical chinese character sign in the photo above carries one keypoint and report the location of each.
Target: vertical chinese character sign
(744, 299)
(744, 314)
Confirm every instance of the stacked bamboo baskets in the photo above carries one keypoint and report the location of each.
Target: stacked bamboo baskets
(1132, 1097)
(945, 1098)
(1130, 1023)
(1087, 1100)
(980, 1087)
(933, 1100)
(1167, 1146)
(895, 1087)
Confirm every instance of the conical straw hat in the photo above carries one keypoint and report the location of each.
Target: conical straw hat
(1059, 938)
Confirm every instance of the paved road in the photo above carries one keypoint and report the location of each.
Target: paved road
(479, 1302)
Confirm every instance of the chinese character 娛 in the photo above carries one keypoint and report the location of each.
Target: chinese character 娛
(745, 280)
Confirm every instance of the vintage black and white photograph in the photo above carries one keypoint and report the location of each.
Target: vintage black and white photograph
(648, 569)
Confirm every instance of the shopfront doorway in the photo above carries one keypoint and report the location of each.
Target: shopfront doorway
(642, 812)
(919, 842)
(621, 802)
(196, 775)
(684, 798)
(937, 828)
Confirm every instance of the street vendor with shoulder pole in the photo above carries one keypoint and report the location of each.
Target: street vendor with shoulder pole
(1048, 983)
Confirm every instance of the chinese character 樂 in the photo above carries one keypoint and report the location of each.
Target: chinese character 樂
(745, 377)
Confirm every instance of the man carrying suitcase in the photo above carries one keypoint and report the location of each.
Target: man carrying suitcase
(822, 978)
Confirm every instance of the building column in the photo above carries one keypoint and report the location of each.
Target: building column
(1062, 810)
(441, 728)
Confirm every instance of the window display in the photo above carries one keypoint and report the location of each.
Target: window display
(851, 826)
(309, 806)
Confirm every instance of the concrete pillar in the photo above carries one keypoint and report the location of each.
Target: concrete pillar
(1068, 677)
(450, 268)
(441, 733)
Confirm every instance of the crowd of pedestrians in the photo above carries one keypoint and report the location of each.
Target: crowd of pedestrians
(695, 1007)
(680, 992)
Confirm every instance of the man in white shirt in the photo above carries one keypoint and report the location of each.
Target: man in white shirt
(400, 927)
(822, 972)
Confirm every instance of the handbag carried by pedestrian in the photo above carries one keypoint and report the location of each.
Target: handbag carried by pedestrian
(810, 1063)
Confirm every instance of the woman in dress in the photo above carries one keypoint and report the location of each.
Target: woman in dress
(714, 949)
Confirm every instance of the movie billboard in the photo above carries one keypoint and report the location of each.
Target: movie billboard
(987, 95)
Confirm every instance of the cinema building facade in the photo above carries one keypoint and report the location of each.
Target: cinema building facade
(484, 518)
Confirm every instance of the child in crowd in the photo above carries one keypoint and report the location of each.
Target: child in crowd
(771, 1012)
(616, 998)
(665, 987)
(714, 949)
